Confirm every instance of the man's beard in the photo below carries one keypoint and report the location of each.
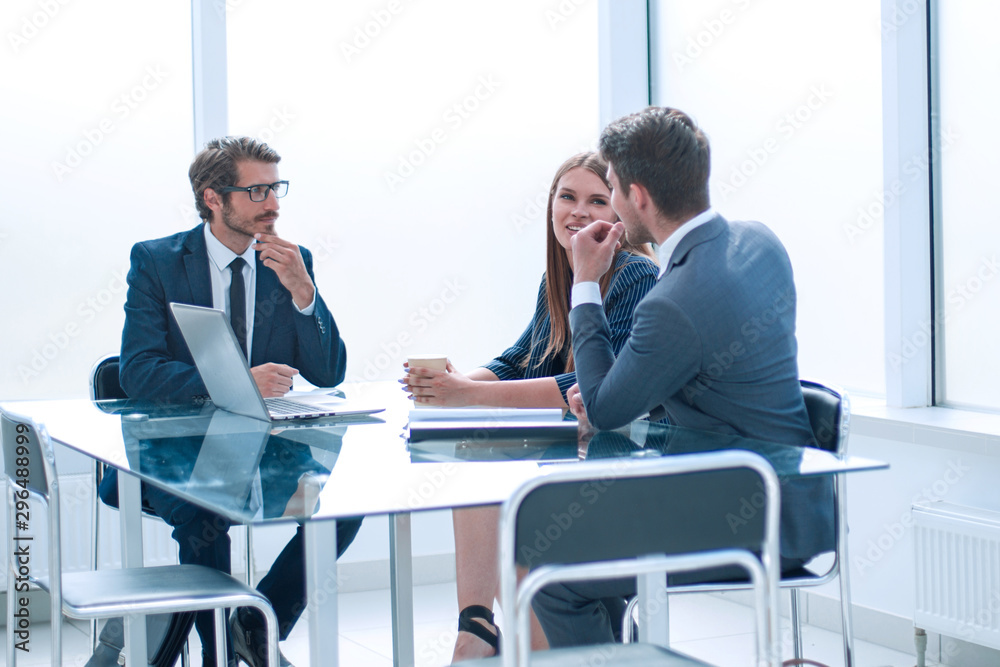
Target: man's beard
(635, 232)
(245, 226)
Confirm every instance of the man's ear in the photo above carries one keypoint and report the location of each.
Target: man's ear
(639, 196)
(213, 200)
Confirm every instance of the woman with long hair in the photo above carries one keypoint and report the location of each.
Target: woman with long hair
(535, 372)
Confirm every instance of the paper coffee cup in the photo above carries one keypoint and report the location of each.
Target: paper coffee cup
(437, 362)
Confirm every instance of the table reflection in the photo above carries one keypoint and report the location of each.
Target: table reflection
(244, 466)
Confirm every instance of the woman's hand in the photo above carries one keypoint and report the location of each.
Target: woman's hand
(447, 388)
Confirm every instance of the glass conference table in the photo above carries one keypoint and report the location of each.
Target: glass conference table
(318, 471)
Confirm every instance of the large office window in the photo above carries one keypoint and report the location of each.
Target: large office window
(97, 140)
(790, 95)
(968, 237)
(420, 140)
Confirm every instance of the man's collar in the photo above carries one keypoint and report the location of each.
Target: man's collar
(670, 244)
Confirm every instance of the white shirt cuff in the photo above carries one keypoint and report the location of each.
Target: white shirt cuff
(308, 310)
(585, 293)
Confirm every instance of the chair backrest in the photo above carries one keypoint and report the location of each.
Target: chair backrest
(104, 382)
(30, 466)
(829, 411)
(623, 510)
(24, 457)
(635, 515)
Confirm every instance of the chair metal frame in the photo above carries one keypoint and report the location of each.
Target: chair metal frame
(104, 593)
(763, 571)
(840, 567)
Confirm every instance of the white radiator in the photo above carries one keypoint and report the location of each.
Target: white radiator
(958, 571)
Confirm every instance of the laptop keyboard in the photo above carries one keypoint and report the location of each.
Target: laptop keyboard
(283, 406)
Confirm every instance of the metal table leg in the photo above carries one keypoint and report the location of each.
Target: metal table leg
(130, 518)
(401, 589)
(654, 610)
(321, 592)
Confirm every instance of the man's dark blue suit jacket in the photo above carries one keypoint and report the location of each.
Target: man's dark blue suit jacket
(155, 362)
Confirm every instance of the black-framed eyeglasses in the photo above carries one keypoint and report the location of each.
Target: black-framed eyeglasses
(259, 192)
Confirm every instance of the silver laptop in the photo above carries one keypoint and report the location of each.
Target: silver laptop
(227, 376)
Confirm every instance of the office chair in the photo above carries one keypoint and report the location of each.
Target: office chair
(829, 411)
(30, 471)
(608, 539)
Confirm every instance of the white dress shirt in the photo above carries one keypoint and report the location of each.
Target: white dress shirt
(219, 258)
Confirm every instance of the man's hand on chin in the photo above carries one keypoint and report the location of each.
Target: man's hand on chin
(273, 379)
(575, 400)
(594, 249)
(285, 259)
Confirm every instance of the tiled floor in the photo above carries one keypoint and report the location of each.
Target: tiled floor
(709, 628)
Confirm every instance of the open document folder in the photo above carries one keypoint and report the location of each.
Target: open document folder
(489, 424)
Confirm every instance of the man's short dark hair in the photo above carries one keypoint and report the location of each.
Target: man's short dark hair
(666, 152)
(216, 166)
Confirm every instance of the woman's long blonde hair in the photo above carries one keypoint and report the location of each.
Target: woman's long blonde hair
(559, 275)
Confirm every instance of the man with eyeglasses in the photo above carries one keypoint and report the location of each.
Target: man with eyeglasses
(235, 262)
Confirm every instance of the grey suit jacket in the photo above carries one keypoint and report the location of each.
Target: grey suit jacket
(713, 348)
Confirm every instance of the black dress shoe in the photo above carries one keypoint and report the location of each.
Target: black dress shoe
(251, 645)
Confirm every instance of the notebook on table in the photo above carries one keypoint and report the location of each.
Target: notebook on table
(226, 374)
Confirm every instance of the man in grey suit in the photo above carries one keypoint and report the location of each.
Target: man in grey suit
(713, 342)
